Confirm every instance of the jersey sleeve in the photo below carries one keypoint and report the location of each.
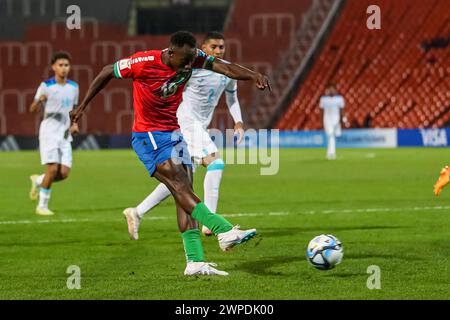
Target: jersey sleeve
(123, 69)
(341, 102)
(77, 94)
(233, 101)
(231, 86)
(42, 89)
(321, 104)
(203, 61)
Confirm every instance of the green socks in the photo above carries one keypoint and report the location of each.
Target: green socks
(193, 246)
(191, 238)
(214, 222)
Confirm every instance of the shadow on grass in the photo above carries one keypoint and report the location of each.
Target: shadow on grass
(261, 267)
(282, 232)
(344, 275)
(365, 256)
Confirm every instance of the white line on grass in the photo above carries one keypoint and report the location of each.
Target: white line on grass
(369, 210)
(44, 221)
(255, 214)
(246, 214)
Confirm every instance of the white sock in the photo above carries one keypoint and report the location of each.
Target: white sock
(160, 193)
(212, 183)
(44, 197)
(39, 180)
(331, 146)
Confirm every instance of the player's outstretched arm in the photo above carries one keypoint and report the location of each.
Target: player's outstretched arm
(238, 72)
(235, 109)
(96, 86)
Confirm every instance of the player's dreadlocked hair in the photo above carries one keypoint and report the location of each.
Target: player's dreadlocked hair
(60, 55)
(181, 38)
(213, 35)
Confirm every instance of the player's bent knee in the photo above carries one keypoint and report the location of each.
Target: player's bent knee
(52, 170)
(64, 173)
(217, 164)
(181, 188)
(210, 159)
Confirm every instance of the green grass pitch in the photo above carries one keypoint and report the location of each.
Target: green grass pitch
(379, 203)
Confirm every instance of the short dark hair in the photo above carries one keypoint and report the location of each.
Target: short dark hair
(213, 35)
(331, 85)
(182, 38)
(60, 55)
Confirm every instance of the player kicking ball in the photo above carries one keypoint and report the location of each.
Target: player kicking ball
(159, 77)
(200, 98)
(442, 181)
(56, 97)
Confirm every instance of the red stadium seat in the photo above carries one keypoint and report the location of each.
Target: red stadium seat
(383, 74)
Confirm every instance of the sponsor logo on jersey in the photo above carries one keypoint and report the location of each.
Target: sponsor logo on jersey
(126, 63)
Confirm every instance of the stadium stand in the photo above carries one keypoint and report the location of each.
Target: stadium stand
(396, 76)
(386, 76)
(258, 33)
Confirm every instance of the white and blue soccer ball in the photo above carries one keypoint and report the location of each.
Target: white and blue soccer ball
(325, 252)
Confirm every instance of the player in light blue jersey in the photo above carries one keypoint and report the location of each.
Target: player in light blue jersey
(56, 97)
(200, 98)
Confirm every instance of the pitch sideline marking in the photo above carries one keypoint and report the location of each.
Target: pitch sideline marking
(146, 218)
(243, 214)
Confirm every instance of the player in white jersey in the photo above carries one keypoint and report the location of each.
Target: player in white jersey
(332, 103)
(56, 97)
(200, 98)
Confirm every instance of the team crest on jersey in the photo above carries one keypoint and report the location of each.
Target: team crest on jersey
(169, 88)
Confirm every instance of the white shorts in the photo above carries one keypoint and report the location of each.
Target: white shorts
(55, 151)
(199, 142)
(333, 129)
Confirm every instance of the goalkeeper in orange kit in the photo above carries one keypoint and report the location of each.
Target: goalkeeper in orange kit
(442, 181)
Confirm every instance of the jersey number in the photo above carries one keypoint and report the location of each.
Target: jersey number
(169, 90)
(211, 95)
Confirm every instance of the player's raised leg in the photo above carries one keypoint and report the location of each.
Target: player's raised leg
(176, 179)
(36, 181)
(214, 170)
(442, 181)
(158, 195)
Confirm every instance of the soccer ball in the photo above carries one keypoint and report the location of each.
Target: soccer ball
(325, 252)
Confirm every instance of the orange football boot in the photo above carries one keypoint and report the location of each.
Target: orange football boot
(442, 181)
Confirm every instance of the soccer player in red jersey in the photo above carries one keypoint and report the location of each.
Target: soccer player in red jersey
(158, 81)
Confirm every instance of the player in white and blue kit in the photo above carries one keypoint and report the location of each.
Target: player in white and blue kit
(332, 104)
(56, 97)
(200, 98)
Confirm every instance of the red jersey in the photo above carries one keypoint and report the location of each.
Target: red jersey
(157, 89)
